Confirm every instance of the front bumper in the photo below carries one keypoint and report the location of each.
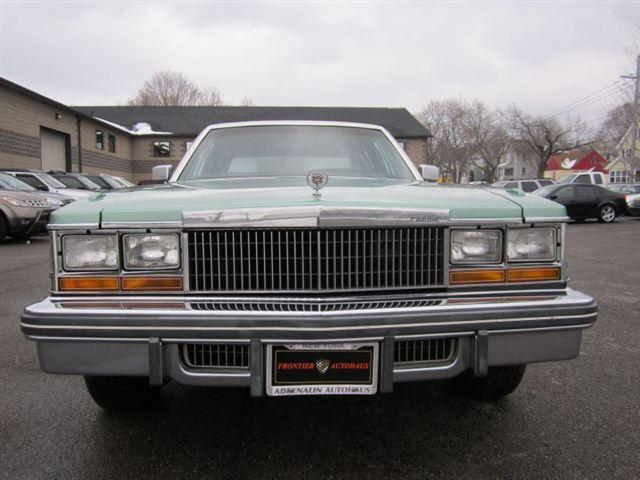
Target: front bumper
(142, 336)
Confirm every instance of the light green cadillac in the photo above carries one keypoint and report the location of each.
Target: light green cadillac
(305, 258)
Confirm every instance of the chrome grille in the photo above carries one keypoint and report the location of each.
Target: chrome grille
(288, 260)
(432, 350)
(216, 355)
(313, 307)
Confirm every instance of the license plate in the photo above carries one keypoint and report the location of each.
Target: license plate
(322, 369)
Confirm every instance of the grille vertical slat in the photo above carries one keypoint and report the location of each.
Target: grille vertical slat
(216, 355)
(435, 351)
(315, 259)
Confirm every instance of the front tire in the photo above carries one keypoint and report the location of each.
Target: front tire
(499, 382)
(122, 393)
(606, 214)
(4, 228)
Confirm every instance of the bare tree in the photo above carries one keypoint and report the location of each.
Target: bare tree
(545, 136)
(616, 123)
(168, 88)
(247, 102)
(450, 148)
(489, 137)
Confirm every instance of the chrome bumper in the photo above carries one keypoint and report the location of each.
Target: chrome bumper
(141, 335)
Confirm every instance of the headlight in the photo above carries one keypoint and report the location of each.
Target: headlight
(532, 244)
(90, 252)
(476, 246)
(151, 251)
(15, 202)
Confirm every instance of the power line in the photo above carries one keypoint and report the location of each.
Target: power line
(593, 97)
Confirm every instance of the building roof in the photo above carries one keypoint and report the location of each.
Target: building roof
(577, 160)
(189, 121)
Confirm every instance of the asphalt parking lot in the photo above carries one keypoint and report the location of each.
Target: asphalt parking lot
(567, 420)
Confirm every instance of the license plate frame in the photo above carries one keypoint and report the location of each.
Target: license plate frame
(280, 382)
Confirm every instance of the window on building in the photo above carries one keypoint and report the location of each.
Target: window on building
(99, 139)
(524, 171)
(111, 143)
(637, 175)
(161, 149)
(508, 172)
(618, 177)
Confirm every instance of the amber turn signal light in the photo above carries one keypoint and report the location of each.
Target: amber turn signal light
(151, 283)
(537, 274)
(83, 284)
(477, 276)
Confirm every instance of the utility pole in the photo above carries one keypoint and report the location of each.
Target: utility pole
(634, 127)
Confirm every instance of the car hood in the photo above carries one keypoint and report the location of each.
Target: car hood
(167, 203)
(74, 193)
(20, 195)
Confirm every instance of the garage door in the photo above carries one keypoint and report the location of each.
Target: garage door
(54, 150)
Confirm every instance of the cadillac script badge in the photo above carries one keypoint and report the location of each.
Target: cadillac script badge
(317, 179)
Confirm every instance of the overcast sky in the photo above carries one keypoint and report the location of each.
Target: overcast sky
(541, 56)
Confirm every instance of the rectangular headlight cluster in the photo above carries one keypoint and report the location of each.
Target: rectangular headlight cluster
(90, 252)
(142, 252)
(531, 244)
(476, 246)
(139, 251)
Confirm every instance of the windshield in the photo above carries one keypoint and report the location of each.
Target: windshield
(49, 180)
(294, 150)
(72, 182)
(124, 181)
(567, 178)
(8, 182)
(544, 191)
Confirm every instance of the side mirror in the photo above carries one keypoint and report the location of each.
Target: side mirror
(161, 172)
(552, 197)
(430, 173)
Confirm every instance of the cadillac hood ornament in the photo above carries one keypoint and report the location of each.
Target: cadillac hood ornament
(317, 179)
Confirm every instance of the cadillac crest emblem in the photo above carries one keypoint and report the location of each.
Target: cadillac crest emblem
(322, 365)
(317, 179)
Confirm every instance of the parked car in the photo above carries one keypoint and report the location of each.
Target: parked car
(106, 182)
(524, 185)
(8, 182)
(631, 193)
(592, 178)
(74, 180)
(584, 201)
(633, 204)
(22, 214)
(305, 258)
(45, 183)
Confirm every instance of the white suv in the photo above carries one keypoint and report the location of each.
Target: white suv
(593, 178)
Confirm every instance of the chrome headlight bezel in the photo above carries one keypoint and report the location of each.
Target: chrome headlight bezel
(515, 236)
(128, 245)
(474, 235)
(110, 242)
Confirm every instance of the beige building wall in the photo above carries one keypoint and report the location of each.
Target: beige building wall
(144, 159)
(22, 116)
(20, 120)
(416, 148)
(95, 160)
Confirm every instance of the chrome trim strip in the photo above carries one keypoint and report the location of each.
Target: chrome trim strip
(313, 216)
(72, 226)
(546, 219)
(299, 329)
(168, 224)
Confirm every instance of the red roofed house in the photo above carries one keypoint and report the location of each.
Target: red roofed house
(575, 161)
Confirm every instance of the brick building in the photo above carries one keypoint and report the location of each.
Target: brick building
(38, 132)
